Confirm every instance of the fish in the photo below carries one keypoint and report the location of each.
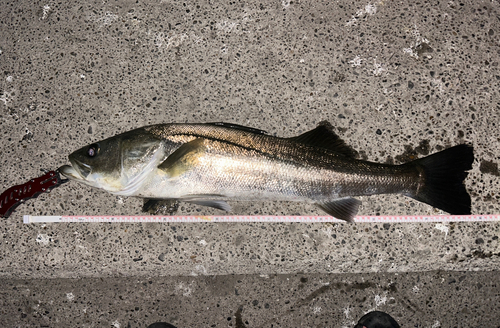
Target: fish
(211, 163)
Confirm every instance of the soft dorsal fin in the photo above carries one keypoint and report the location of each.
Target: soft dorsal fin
(324, 137)
(238, 127)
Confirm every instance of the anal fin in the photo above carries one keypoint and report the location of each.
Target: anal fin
(343, 208)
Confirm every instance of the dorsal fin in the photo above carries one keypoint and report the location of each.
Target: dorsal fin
(324, 137)
(238, 127)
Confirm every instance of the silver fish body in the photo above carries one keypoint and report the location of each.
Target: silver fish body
(208, 164)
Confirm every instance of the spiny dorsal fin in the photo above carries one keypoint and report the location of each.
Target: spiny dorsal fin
(324, 137)
(342, 208)
(238, 127)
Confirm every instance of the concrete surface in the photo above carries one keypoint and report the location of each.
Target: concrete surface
(397, 81)
(430, 299)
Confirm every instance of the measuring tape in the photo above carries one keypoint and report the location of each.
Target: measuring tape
(255, 218)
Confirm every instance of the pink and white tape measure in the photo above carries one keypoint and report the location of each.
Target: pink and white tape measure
(255, 218)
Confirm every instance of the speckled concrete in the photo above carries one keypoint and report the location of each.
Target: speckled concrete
(397, 80)
(432, 299)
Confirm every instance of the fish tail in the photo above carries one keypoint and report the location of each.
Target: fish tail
(444, 174)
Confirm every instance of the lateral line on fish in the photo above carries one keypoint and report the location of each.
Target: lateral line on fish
(257, 150)
(27, 219)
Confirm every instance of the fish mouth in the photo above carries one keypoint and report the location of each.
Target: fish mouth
(76, 171)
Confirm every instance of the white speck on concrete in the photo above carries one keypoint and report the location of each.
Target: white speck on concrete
(201, 269)
(120, 200)
(70, 296)
(416, 34)
(419, 40)
(45, 13)
(116, 324)
(285, 3)
(443, 228)
(378, 69)
(103, 20)
(82, 76)
(410, 52)
(264, 276)
(196, 39)
(317, 309)
(9, 79)
(159, 39)
(436, 324)
(346, 311)
(302, 60)
(202, 242)
(327, 231)
(27, 134)
(439, 84)
(356, 61)
(380, 300)
(415, 289)
(186, 290)
(6, 97)
(235, 26)
(170, 40)
(42, 239)
(369, 9)
(226, 26)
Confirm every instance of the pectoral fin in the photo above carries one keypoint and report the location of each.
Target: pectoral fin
(343, 208)
(184, 158)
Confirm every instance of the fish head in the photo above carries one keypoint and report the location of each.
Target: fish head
(119, 164)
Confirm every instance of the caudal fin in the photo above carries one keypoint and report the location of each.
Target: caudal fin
(444, 174)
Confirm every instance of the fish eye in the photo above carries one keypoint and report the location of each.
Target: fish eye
(93, 150)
